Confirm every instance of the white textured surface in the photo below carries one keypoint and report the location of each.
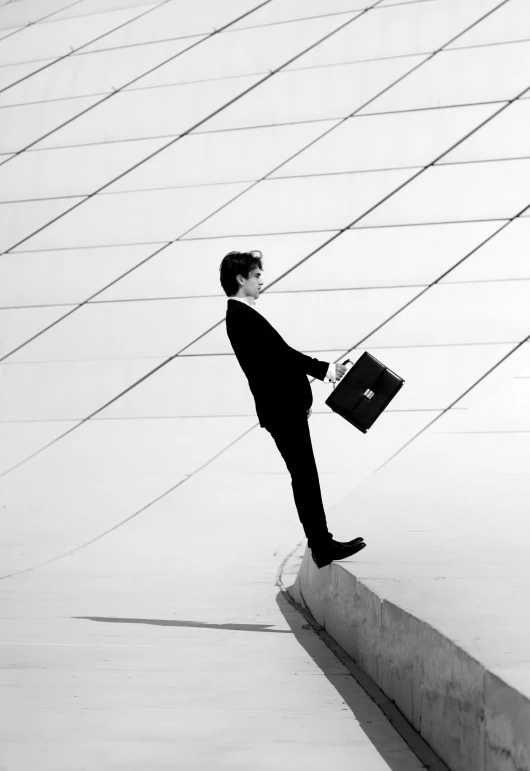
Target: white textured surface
(15, 14)
(467, 76)
(320, 93)
(503, 137)
(393, 256)
(156, 215)
(150, 112)
(93, 73)
(510, 22)
(288, 10)
(57, 38)
(498, 189)
(404, 139)
(71, 170)
(24, 125)
(240, 52)
(313, 203)
(408, 28)
(224, 156)
(177, 19)
(66, 276)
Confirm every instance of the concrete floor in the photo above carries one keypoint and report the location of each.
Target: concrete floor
(168, 645)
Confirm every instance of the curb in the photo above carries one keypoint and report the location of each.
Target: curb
(450, 709)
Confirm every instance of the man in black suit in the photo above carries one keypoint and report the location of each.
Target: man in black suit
(277, 376)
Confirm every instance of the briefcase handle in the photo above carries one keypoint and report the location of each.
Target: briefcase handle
(348, 361)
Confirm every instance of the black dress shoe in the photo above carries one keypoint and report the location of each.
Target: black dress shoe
(349, 543)
(335, 551)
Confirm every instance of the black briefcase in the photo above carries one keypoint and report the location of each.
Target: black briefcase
(364, 392)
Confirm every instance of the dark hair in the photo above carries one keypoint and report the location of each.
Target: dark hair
(235, 264)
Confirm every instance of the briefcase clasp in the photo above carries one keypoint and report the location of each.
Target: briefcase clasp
(368, 393)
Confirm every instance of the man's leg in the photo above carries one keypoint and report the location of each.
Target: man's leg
(293, 440)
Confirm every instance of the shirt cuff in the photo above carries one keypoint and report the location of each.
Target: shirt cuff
(331, 374)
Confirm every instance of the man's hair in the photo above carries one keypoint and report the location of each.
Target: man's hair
(235, 264)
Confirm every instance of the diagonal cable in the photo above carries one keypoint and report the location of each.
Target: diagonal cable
(173, 356)
(221, 452)
(166, 361)
(335, 235)
(459, 398)
(134, 80)
(165, 245)
(184, 133)
(193, 128)
(135, 514)
(21, 27)
(79, 48)
(225, 449)
(182, 235)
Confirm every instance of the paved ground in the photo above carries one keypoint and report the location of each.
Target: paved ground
(168, 645)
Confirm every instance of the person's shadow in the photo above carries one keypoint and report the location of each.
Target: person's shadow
(183, 623)
(368, 715)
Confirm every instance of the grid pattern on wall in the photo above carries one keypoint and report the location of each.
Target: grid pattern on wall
(378, 153)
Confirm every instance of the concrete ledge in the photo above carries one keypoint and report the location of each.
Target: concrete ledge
(471, 718)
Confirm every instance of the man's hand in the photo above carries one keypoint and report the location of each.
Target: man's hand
(340, 370)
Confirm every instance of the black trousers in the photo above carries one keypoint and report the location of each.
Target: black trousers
(293, 440)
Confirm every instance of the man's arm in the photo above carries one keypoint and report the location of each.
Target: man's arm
(260, 347)
(307, 364)
(290, 357)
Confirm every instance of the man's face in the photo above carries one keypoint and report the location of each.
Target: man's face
(253, 284)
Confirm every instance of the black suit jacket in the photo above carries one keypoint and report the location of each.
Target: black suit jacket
(276, 373)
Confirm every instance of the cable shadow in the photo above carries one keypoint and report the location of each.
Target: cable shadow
(188, 624)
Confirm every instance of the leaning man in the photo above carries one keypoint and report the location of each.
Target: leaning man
(284, 410)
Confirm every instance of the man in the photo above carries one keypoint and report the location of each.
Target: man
(277, 376)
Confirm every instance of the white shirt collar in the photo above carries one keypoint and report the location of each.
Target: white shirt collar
(240, 299)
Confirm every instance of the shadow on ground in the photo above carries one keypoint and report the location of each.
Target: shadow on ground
(370, 718)
(194, 624)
